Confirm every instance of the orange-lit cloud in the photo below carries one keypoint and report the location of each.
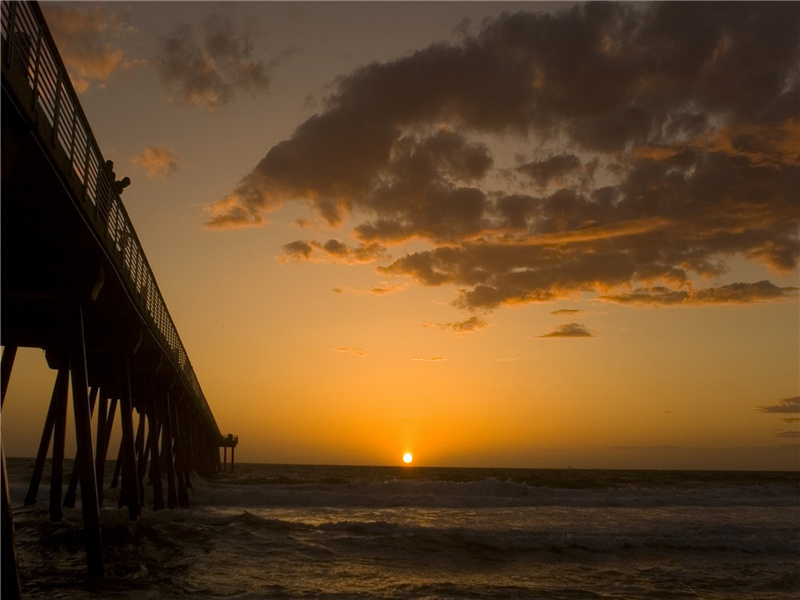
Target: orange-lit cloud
(157, 161)
(674, 157)
(332, 251)
(467, 326)
(570, 330)
(82, 33)
(353, 351)
(382, 289)
(433, 359)
(735, 293)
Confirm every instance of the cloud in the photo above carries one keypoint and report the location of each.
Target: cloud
(570, 330)
(382, 289)
(787, 405)
(677, 127)
(157, 161)
(467, 326)
(434, 359)
(332, 251)
(209, 66)
(353, 351)
(84, 36)
(566, 311)
(788, 434)
(735, 293)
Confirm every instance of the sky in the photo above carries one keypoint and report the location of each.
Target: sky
(517, 234)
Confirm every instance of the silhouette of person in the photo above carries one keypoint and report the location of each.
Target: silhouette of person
(117, 185)
(121, 184)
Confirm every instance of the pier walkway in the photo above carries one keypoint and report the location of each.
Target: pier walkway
(76, 284)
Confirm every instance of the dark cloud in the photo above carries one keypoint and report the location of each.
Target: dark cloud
(555, 167)
(566, 311)
(787, 405)
(208, 68)
(570, 330)
(332, 251)
(735, 293)
(678, 126)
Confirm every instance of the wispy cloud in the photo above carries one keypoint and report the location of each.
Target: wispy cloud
(433, 359)
(787, 405)
(570, 330)
(332, 250)
(679, 152)
(157, 161)
(735, 293)
(382, 289)
(467, 326)
(209, 66)
(353, 351)
(566, 311)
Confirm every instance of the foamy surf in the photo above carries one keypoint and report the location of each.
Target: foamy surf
(272, 531)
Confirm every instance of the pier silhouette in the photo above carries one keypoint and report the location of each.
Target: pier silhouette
(76, 284)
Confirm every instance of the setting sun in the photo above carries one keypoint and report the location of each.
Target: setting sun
(407, 458)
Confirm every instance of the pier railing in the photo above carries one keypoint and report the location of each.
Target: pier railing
(33, 66)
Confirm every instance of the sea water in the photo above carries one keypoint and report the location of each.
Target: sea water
(279, 531)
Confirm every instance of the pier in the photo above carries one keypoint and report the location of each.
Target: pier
(76, 283)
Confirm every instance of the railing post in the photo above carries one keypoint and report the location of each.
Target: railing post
(12, 23)
(37, 63)
(57, 109)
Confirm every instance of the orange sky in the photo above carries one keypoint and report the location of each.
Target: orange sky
(555, 237)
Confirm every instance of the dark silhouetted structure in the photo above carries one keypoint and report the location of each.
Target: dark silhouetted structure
(229, 441)
(76, 283)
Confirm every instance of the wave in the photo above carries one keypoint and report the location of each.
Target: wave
(393, 537)
(490, 492)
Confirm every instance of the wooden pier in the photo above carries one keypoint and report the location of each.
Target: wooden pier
(76, 283)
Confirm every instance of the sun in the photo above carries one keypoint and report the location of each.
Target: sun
(407, 458)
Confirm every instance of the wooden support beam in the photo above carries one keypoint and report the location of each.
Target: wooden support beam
(129, 494)
(102, 452)
(72, 488)
(168, 451)
(143, 448)
(155, 469)
(59, 436)
(83, 434)
(6, 365)
(60, 389)
(117, 469)
(179, 435)
(101, 441)
(8, 554)
(141, 453)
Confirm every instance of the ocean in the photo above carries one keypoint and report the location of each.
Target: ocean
(333, 532)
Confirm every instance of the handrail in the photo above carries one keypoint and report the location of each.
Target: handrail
(29, 54)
